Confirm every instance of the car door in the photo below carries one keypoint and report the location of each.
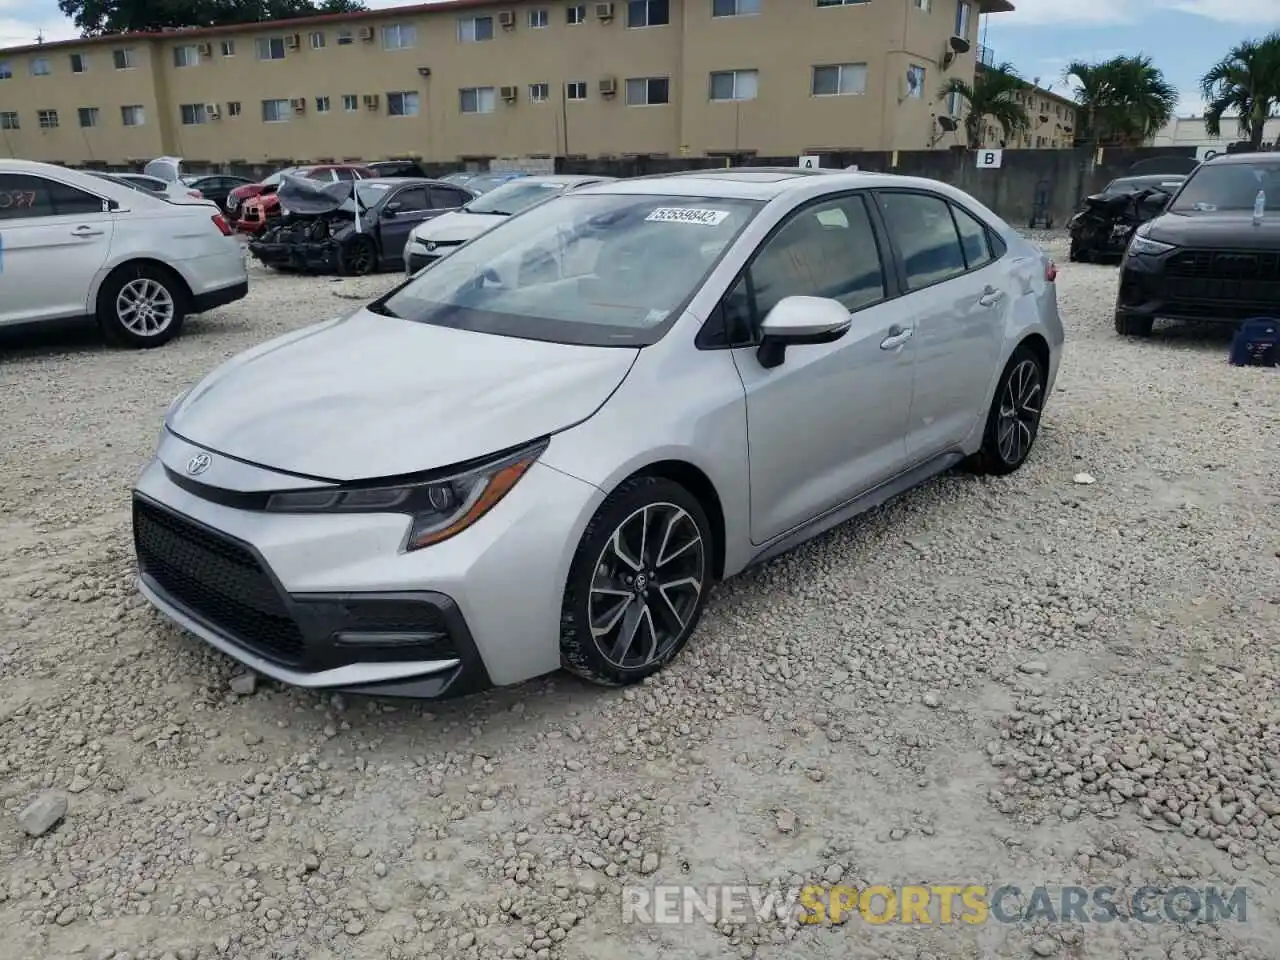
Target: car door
(444, 199)
(958, 295)
(828, 423)
(54, 238)
(403, 211)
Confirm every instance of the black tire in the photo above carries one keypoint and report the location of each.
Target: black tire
(1131, 326)
(1016, 406)
(357, 257)
(153, 284)
(655, 503)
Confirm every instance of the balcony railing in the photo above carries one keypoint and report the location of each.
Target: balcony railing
(986, 56)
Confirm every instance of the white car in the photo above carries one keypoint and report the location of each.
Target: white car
(77, 245)
(440, 237)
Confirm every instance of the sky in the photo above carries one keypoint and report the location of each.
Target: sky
(1183, 37)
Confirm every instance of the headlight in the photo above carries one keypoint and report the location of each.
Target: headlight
(1141, 244)
(441, 507)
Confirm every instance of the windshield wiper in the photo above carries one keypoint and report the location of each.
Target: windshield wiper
(382, 310)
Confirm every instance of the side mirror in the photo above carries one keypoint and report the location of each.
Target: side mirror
(795, 321)
(391, 209)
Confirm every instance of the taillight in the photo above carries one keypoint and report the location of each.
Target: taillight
(220, 222)
(1050, 271)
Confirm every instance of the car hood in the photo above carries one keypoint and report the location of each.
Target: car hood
(457, 226)
(369, 396)
(1227, 231)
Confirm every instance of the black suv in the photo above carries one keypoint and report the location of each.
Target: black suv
(1213, 254)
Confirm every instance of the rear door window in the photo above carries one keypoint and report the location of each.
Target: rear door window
(921, 227)
(23, 196)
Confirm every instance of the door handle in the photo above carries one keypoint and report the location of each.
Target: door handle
(87, 232)
(896, 338)
(990, 297)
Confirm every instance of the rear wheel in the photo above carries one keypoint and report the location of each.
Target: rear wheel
(1128, 325)
(141, 305)
(1013, 423)
(638, 583)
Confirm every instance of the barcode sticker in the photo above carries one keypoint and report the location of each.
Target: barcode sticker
(697, 216)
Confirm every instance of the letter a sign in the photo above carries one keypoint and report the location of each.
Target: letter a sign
(989, 159)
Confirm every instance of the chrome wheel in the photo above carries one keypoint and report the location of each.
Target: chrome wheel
(646, 586)
(1020, 403)
(145, 307)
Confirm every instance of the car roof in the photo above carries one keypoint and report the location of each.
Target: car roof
(758, 183)
(1227, 159)
(405, 181)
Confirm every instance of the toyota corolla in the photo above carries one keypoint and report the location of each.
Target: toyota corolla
(544, 450)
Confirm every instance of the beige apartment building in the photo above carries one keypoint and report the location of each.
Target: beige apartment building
(462, 80)
(1053, 121)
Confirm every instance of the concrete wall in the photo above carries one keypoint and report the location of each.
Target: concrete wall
(1063, 176)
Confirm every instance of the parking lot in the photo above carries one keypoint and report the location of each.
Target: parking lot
(1031, 680)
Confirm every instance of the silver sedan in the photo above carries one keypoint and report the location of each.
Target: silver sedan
(545, 450)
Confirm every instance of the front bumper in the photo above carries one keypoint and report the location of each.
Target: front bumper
(321, 255)
(330, 601)
(1156, 287)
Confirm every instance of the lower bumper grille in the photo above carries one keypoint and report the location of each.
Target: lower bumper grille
(217, 579)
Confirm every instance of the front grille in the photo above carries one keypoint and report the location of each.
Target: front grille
(1225, 276)
(217, 579)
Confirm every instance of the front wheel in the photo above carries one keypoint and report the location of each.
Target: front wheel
(1131, 326)
(638, 583)
(1013, 422)
(357, 257)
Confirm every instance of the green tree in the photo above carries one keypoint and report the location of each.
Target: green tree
(98, 17)
(1246, 82)
(993, 93)
(1124, 101)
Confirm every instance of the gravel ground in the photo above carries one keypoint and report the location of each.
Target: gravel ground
(1030, 680)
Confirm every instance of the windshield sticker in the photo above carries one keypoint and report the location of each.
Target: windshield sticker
(694, 215)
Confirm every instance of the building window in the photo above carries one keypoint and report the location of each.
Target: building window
(575, 90)
(925, 5)
(539, 92)
(133, 115)
(648, 91)
(6, 71)
(734, 84)
(915, 81)
(317, 39)
(122, 58)
(48, 119)
(186, 56)
(840, 3)
(192, 114)
(576, 14)
(322, 104)
(962, 19)
(955, 103)
(8, 120)
(228, 48)
(345, 39)
(233, 108)
(477, 100)
(350, 102)
(88, 116)
(840, 79)
(475, 29)
(402, 103)
(735, 8)
(400, 36)
(79, 63)
(648, 13)
(270, 48)
(40, 67)
(539, 19)
(276, 111)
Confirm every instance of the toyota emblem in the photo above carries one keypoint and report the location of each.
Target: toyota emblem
(431, 245)
(199, 464)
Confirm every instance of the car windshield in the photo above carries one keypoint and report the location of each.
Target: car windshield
(190, 181)
(592, 269)
(511, 198)
(274, 179)
(1230, 187)
(369, 194)
(485, 184)
(1131, 184)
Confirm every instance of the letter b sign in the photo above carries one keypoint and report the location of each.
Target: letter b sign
(989, 159)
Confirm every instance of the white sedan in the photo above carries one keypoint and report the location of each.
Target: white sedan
(74, 245)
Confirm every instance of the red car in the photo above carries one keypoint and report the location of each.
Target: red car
(253, 204)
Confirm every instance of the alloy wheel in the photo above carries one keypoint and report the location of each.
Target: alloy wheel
(145, 307)
(361, 258)
(646, 586)
(1020, 403)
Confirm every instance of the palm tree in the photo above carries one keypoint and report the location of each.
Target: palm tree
(1125, 100)
(993, 93)
(1246, 82)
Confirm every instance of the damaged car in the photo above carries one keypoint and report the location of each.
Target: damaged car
(1103, 227)
(351, 228)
